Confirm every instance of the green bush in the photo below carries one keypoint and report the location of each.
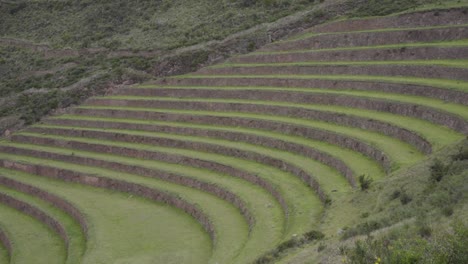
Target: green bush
(313, 235)
(365, 182)
(405, 198)
(407, 248)
(438, 171)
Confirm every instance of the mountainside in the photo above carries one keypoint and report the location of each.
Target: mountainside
(338, 134)
(57, 53)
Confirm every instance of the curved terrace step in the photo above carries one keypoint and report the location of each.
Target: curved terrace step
(372, 38)
(156, 155)
(119, 223)
(265, 141)
(39, 215)
(437, 116)
(265, 106)
(216, 187)
(332, 138)
(238, 137)
(268, 96)
(390, 53)
(264, 110)
(31, 240)
(112, 184)
(73, 239)
(168, 141)
(420, 71)
(6, 244)
(455, 94)
(143, 188)
(130, 139)
(438, 17)
(256, 122)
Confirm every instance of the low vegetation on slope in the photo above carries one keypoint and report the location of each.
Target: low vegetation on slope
(420, 214)
(66, 51)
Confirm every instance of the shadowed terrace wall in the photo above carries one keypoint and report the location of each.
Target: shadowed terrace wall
(38, 214)
(166, 142)
(137, 170)
(358, 39)
(162, 156)
(428, 18)
(116, 185)
(6, 243)
(56, 201)
(420, 71)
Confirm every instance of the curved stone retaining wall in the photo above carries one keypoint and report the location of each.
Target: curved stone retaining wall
(38, 214)
(428, 18)
(420, 71)
(446, 94)
(6, 243)
(430, 114)
(165, 142)
(165, 157)
(385, 128)
(116, 185)
(315, 134)
(56, 201)
(341, 119)
(370, 54)
(312, 153)
(166, 176)
(359, 39)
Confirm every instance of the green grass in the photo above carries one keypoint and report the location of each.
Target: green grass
(306, 208)
(32, 241)
(296, 223)
(270, 221)
(4, 258)
(436, 134)
(440, 63)
(77, 240)
(231, 229)
(453, 108)
(328, 178)
(439, 44)
(383, 30)
(357, 162)
(441, 83)
(156, 231)
(401, 153)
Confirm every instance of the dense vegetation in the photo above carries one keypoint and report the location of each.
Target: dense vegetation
(144, 24)
(105, 26)
(433, 196)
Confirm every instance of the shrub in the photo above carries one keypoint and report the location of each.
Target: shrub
(447, 247)
(405, 198)
(462, 154)
(438, 170)
(447, 210)
(313, 235)
(425, 231)
(365, 182)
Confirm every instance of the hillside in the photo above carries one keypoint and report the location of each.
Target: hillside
(337, 134)
(54, 54)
